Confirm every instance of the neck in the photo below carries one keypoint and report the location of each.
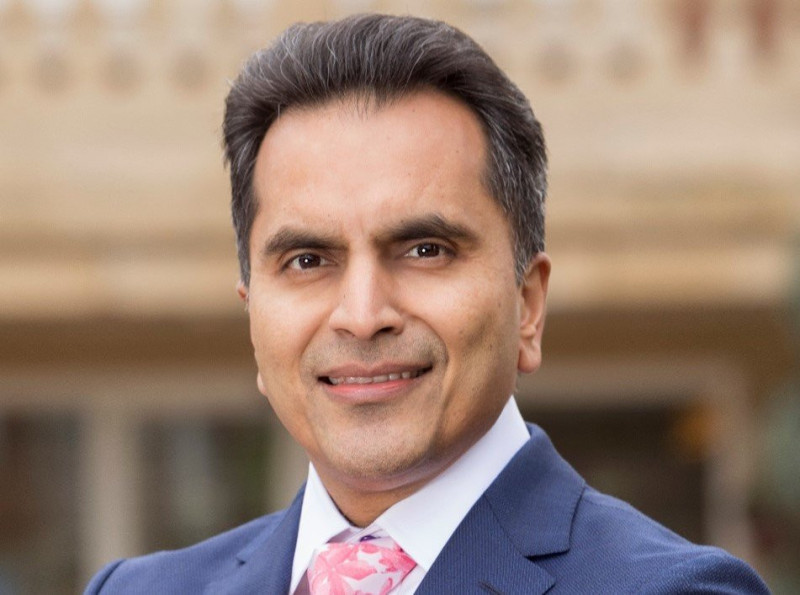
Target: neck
(361, 500)
(361, 507)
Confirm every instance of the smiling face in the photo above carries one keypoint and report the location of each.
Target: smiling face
(386, 319)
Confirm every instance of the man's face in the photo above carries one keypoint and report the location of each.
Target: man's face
(387, 323)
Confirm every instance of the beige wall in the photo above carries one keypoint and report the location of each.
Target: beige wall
(114, 199)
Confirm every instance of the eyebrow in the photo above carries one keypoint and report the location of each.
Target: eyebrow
(427, 226)
(434, 225)
(288, 238)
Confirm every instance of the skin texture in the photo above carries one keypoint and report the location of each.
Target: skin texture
(377, 250)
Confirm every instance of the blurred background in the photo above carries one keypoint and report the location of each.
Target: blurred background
(129, 415)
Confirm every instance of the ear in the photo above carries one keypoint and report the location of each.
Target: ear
(260, 383)
(244, 293)
(532, 298)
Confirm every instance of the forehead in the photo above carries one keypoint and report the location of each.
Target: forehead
(419, 121)
(424, 150)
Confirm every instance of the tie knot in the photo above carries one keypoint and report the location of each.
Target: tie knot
(371, 566)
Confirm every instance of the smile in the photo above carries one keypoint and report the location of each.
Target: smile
(344, 380)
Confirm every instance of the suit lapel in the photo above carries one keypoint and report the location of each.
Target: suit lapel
(526, 513)
(480, 558)
(265, 565)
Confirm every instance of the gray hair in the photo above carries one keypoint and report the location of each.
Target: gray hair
(382, 58)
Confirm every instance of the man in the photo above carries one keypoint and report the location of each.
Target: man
(388, 185)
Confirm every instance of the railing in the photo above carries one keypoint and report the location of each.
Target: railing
(552, 41)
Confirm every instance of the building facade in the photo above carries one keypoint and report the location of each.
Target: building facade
(129, 415)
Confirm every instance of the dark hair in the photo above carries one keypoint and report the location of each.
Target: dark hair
(382, 58)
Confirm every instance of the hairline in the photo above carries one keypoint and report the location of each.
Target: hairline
(291, 74)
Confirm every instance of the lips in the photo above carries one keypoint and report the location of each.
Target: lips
(357, 378)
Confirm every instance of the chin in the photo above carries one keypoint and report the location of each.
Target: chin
(381, 466)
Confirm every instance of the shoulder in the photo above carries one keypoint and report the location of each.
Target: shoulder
(590, 542)
(186, 570)
(623, 548)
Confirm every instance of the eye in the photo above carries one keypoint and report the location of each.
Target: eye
(426, 250)
(306, 261)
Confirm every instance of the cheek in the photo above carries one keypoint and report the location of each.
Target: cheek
(279, 331)
(278, 346)
(478, 327)
(490, 336)
(267, 337)
(484, 310)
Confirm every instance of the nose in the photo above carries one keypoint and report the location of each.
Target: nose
(367, 304)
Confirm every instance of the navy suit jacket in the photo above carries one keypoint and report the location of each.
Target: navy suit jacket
(537, 529)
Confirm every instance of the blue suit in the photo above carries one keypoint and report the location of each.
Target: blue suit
(538, 528)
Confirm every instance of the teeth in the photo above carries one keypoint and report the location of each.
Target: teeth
(373, 379)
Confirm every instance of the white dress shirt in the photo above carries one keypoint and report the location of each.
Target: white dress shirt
(422, 523)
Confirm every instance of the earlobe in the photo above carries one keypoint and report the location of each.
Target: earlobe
(244, 293)
(260, 384)
(533, 297)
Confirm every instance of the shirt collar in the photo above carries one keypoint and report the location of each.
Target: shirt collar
(423, 522)
(320, 521)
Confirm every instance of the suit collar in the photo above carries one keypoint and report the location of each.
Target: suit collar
(264, 566)
(535, 497)
(480, 557)
(527, 512)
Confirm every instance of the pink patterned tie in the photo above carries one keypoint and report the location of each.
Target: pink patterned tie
(373, 566)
